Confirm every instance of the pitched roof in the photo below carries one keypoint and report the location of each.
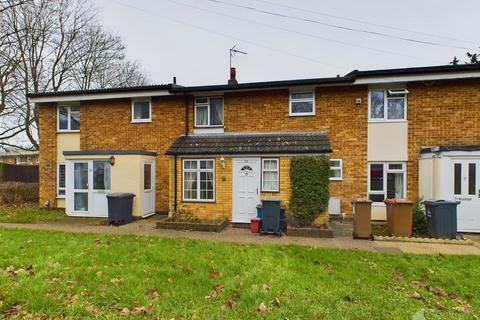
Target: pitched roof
(309, 142)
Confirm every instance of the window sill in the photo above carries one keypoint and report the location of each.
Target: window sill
(141, 121)
(386, 121)
(301, 114)
(270, 191)
(335, 179)
(68, 131)
(198, 201)
(61, 197)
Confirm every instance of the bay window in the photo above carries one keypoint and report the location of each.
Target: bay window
(270, 175)
(209, 112)
(388, 104)
(198, 180)
(68, 118)
(386, 180)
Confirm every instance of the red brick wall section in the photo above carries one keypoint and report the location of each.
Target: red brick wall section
(48, 153)
(106, 125)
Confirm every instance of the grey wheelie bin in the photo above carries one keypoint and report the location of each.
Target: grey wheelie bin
(120, 208)
(442, 219)
(271, 220)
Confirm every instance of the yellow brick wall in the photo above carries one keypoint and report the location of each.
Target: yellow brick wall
(47, 115)
(336, 113)
(440, 113)
(222, 207)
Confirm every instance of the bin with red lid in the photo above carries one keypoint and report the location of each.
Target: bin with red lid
(255, 225)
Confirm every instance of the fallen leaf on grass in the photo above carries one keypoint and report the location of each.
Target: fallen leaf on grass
(262, 308)
(97, 241)
(440, 306)
(416, 295)
(102, 286)
(194, 317)
(416, 284)
(265, 287)
(99, 274)
(464, 309)
(229, 304)
(153, 294)
(13, 311)
(329, 268)
(73, 298)
(276, 302)
(125, 311)
(143, 310)
(399, 275)
(115, 281)
(218, 287)
(214, 274)
(439, 292)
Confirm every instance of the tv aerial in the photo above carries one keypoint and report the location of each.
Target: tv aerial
(233, 52)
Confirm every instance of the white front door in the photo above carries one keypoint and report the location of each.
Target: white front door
(466, 189)
(246, 189)
(87, 186)
(148, 205)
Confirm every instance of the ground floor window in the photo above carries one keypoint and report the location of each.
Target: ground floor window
(336, 169)
(198, 180)
(270, 175)
(386, 180)
(61, 180)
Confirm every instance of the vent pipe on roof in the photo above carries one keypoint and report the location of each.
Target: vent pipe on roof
(174, 80)
(233, 77)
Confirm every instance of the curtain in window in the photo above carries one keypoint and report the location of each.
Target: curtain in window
(141, 110)
(63, 118)
(216, 111)
(201, 115)
(396, 107)
(395, 185)
(377, 104)
(190, 185)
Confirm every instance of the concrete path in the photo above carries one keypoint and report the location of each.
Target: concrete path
(342, 238)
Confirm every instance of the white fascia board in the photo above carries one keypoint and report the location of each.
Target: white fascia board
(100, 96)
(420, 77)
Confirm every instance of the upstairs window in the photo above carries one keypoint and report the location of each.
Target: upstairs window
(388, 105)
(302, 103)
(68, 118)
(141, 110)
(209, 112)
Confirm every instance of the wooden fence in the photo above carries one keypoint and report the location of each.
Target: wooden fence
(24, 173)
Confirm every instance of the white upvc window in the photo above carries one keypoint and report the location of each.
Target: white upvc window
(336, 169)
(302, 103)
(61, 180)
(198, 180)
(68, 118)
(270, 175)
(386, 180)
(387, 105)
(141, 110)
(209, 112)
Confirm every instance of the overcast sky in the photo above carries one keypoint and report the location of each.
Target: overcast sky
(190, 39)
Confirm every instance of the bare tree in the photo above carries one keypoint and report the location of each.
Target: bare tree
(52, 45)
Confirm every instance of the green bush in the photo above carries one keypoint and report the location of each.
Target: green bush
(419, 218)
(309, 182)
(17, 193)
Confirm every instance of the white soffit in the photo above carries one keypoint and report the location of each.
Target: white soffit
(100, 96)
(420, 77)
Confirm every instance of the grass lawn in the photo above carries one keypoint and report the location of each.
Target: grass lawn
(106, 276)
(29, 214)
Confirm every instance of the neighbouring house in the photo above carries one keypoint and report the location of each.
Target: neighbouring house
(217, 150)
(30, 158)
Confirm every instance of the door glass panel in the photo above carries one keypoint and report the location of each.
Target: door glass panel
(472, 177)
(395, 185)
(80, 201)
(147, 176)
(376, 177)
(101, 175)
(80, 175)
(457, 178)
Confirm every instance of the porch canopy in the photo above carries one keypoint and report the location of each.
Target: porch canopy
(252, 143)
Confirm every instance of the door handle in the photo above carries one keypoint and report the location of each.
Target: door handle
(257, 190)
(464, 199)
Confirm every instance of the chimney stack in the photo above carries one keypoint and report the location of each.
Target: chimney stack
(233, 77)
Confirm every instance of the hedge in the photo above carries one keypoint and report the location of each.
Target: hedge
(309, 177)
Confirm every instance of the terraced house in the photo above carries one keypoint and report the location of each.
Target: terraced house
(216, 150)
